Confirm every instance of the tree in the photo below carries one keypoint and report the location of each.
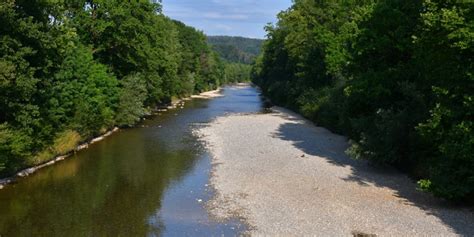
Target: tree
(443, 49)
(132, 37)
(394, 75)
(131, 100)
(71, 70)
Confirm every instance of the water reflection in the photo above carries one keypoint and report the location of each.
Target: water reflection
(139, 182)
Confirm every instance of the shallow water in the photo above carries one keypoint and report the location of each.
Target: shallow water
(145, 181)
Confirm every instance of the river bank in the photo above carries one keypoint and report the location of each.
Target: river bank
(179, 103)
(148, 180)
(285, 176)
(31, 170)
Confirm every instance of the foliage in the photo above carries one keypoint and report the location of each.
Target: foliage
(383, 100)
(130, 37)
(201, 69)
(70, 70)
(29, 54)
(14, 148)
(446, 41)
(83, 94)
(64, 142)
(131, 98)
(396, 76)
(236, 49)
(237, 72)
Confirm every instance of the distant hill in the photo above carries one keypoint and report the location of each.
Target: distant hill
(236, 49)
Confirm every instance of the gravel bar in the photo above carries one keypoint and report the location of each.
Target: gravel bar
(285, 176)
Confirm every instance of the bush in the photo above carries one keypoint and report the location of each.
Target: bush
(15, 147)
(64, 143)
(131, 100)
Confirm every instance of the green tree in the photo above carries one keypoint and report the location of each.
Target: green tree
(236, 49)
(28, 55)
(444, 47)
(394, 75)
(84, 94)
(383, 101)
(131, 100)
(132, 37)
(237, 72)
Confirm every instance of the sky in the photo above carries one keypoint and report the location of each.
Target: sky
(226, 17)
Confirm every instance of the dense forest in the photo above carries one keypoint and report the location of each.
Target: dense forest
(395, 76)
(236, 49)
(71, 70)
(238, 54)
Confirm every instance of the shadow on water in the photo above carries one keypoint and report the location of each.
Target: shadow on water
(145, 181)
(331, 148)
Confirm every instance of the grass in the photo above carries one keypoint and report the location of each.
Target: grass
(64, 143)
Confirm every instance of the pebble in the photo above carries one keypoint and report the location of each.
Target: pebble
(331, 194)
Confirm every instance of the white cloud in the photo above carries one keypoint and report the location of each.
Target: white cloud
(234, 17)
(223, 27)
(220, 16)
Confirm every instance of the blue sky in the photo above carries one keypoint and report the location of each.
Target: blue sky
(226, 17)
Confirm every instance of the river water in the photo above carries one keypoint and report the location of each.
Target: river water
(146, 181)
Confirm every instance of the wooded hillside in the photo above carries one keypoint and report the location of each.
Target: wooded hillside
(236, 49)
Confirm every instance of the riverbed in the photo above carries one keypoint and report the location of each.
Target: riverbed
(152, 180)
(285, 176)
(223, 166)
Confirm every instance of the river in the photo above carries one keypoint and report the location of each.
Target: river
(151, 180)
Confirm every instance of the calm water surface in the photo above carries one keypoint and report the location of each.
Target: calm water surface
(145, 181)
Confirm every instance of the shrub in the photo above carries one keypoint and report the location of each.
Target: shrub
(131, 100)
